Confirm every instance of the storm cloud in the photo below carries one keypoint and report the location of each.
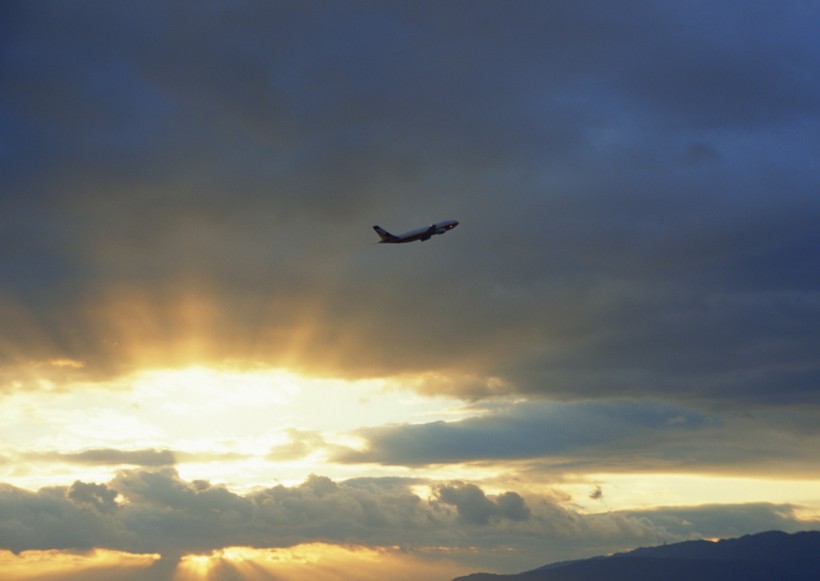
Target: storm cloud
(638, 213)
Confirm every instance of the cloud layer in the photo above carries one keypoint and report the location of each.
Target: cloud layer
(155, 511)
(638, 212)
(604, 436)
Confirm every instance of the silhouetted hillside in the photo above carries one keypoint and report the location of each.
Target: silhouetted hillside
(761, 557)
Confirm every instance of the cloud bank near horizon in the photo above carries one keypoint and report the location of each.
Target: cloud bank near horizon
(157, 512)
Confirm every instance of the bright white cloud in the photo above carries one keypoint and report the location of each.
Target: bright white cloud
(221, 424)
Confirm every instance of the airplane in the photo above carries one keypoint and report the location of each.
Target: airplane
(422, 234)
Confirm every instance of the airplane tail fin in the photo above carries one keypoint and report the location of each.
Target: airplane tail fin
(384, 234)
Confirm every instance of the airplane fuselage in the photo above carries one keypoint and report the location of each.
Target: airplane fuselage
(422, 234)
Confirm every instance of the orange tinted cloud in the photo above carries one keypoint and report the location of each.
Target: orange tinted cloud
(65, 565)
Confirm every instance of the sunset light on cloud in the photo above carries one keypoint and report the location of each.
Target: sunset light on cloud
(211, 369)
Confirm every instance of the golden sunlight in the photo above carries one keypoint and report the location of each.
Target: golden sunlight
(644, 491)
(244, 427)
(315, 561)
(195, 566)
(40, 564)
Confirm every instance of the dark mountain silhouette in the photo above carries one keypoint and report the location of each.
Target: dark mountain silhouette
(761, 557)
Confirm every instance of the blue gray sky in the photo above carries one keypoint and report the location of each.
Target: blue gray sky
(618, 346)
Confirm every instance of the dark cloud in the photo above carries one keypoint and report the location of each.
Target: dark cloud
(112, 457)
(475, 507)
(161, 513)
(637, 190)
(532, 430)
(637, 202)
(118, 458)
(97, 496)
(543, 438)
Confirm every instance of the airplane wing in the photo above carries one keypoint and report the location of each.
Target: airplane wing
(428, 234)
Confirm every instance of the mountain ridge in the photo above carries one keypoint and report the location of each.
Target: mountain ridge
(757, 557)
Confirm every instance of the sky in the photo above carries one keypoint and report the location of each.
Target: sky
(210, 369)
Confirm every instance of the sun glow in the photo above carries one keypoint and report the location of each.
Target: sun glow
(41, 564)
(245, 427)
(644, 491)
(319, 561)
(195, 566)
